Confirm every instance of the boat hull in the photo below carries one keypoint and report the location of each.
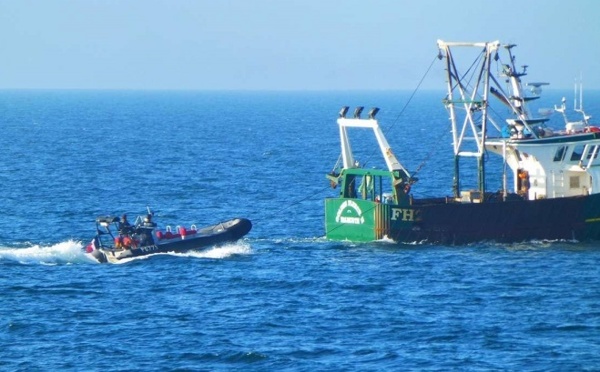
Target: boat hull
(445, 221)
(228, 231)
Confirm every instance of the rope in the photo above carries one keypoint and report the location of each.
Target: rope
(293, 203)
(430, 153)
(337, 163)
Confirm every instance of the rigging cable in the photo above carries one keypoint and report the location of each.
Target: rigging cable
(412, 95)
(386, 130)
(293, 203)
(463, 88)
(426, 159)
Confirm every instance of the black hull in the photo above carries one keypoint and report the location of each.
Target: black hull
(448, 222)
(574, 218)
(210, 236)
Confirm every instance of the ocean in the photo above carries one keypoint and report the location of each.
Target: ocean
(282, 298)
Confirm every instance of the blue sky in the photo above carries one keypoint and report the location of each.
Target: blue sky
(283, 44)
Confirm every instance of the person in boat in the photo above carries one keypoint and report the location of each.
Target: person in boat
(124, 226)
(145, 231)
(148, 221)
(145, 236)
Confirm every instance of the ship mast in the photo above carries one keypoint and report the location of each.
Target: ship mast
(467, 104)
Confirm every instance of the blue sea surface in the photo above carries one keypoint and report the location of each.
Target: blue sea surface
(282, 298)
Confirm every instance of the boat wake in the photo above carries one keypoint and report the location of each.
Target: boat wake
(220, 252)
(224, 251)
(68, 252)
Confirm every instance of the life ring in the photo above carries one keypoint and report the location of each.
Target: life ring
(407, 188)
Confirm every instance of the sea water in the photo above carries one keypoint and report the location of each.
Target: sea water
(282, 298)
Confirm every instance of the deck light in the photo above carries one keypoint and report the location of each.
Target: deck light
(357, 112)
(343, 111)
(373, 112)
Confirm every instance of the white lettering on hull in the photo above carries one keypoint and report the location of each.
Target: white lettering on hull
(150, 248)
(358, 220)
(352, 220)
(403, 214)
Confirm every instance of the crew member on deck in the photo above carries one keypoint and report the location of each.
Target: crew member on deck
(124, 226)
(144, 231)
(148, 221)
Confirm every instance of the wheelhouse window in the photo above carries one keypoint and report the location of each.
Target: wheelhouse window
(577, 152)
(560, 153)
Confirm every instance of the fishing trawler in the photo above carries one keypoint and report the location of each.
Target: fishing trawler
(555, 174)
(116, 239)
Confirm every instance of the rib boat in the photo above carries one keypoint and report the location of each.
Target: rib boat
(550, 178)
(116, 239)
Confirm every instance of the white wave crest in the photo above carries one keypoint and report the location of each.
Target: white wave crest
(220, 252)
